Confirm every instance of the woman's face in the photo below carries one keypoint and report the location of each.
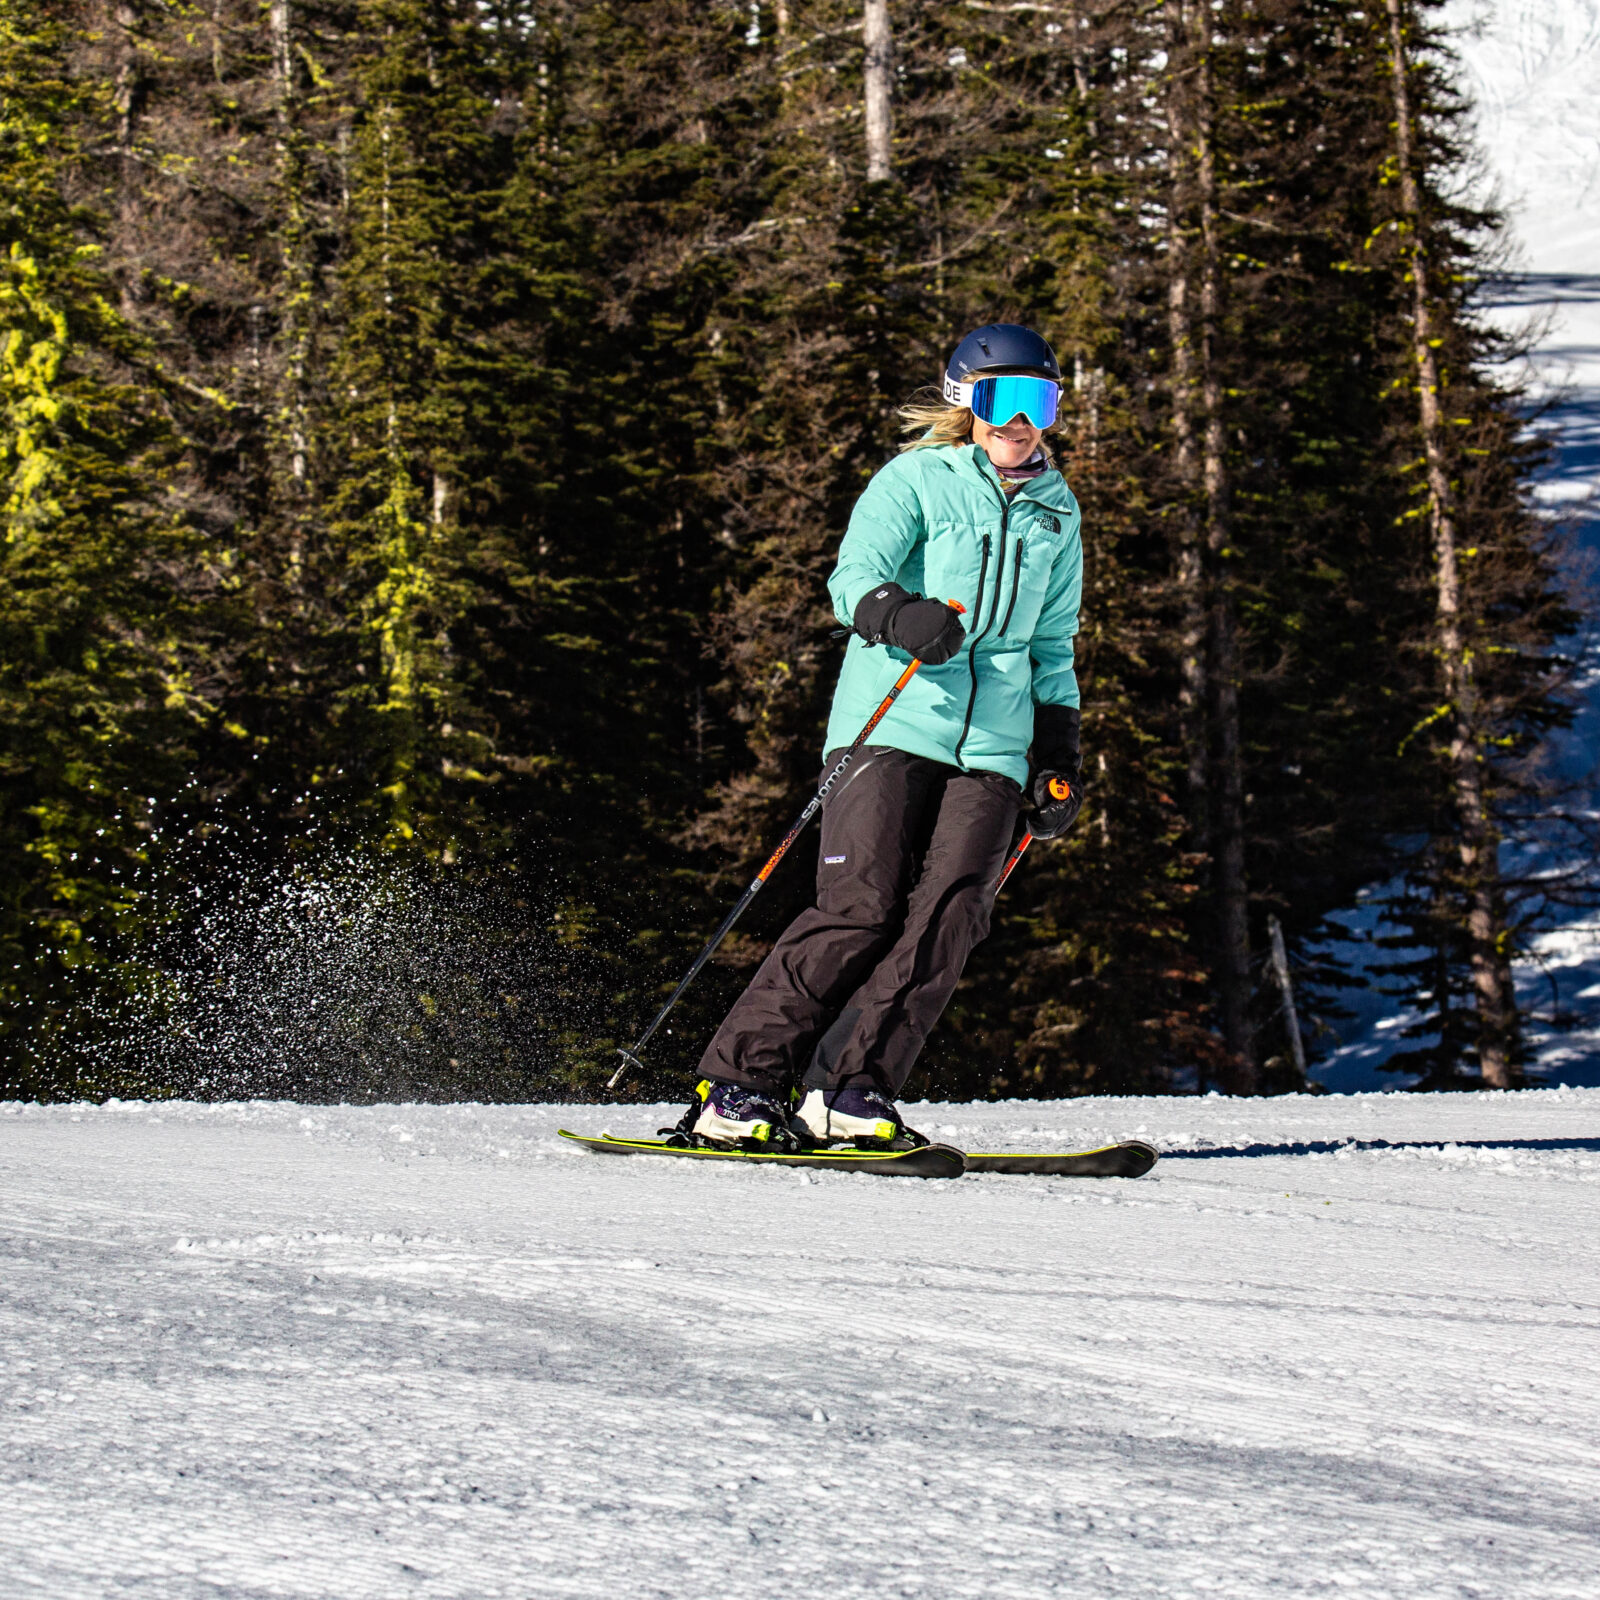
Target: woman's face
(1010, 444)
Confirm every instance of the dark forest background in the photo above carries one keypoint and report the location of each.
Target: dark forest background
(428, 425)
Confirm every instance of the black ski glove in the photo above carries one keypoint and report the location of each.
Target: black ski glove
(1057, 791)
(927, 629)
(1057, 800)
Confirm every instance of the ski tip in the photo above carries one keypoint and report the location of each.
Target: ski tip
(1130, 1159)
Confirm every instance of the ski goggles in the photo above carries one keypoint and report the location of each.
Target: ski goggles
(996, 400)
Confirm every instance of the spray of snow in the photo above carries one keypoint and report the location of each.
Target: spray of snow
(325, 973)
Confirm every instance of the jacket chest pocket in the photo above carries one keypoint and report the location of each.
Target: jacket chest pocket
(953, 563)
(1025, 585)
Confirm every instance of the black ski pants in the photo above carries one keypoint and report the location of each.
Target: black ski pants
(911, 851)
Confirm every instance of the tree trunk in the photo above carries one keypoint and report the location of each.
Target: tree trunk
(1227, 844)
(1478, 846)
(1181, 333)
(127, 98)
(296, 279)
(292, 412)
(879, 73)
(1208, 648)
(127, 93)
(1088, 382)
(218, 69)
(1291, 1017)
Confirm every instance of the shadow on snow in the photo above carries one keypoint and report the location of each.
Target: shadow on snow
(1323, 1147)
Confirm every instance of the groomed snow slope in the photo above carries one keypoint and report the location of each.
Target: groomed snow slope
(270, 1350)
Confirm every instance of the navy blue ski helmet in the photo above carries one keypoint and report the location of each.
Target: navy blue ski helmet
(1001, 346)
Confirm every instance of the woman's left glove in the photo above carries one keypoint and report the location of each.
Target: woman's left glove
(1057, 791)
(1057, 800)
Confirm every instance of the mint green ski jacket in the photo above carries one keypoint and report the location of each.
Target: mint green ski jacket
(936, 522)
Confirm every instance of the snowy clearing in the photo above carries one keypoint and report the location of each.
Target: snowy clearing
(277, 1350)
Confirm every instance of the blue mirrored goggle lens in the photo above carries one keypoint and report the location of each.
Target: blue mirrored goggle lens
(998, 400)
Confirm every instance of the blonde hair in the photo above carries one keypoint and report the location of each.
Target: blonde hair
(936, 422)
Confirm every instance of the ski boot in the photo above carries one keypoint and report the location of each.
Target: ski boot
(732, 1115)
(867, 1118)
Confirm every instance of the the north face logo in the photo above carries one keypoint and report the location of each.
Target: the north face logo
(1051, 524)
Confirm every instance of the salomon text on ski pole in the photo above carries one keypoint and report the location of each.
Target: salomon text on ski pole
(630, 1058)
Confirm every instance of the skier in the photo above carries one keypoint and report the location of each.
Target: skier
(914, 838)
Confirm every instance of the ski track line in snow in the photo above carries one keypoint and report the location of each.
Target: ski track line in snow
(332, 1352)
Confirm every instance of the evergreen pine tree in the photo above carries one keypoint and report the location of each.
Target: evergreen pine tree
(95, 689)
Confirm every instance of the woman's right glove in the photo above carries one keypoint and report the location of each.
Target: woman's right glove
(927, 629)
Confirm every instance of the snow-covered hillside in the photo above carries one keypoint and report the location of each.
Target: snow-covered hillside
(271, 1350)
(1530, 70)
(1528, 67)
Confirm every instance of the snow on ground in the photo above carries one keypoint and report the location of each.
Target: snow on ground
(1330, 1345)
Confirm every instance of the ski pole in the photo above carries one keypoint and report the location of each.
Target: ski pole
(1016, 855)
(1059, 790)
(630, 1058)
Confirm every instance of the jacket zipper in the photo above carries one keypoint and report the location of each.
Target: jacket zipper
(1016, 579)
(977, 614)
(983, 573)
(972, 650)
(1000, 566)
